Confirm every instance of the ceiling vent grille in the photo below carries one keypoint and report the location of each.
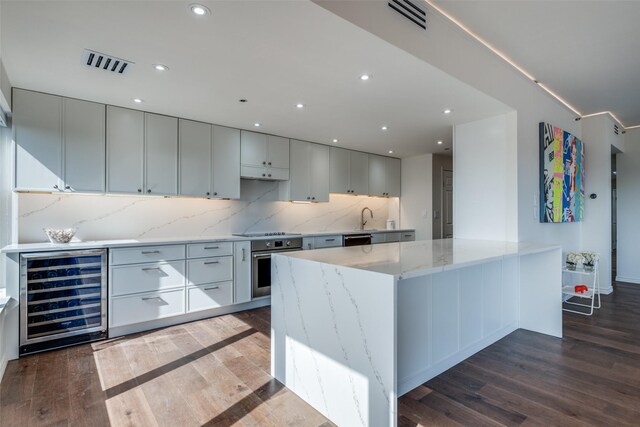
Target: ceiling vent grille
(106, 62)
(616, 129)
(411, 11)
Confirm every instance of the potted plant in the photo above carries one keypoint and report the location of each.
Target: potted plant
(589, 260)
(573, 259)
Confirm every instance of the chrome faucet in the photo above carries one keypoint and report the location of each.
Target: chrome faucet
(362, 221)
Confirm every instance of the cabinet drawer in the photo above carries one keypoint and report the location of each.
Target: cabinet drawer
(327, 241)
(146, 254)
(209, 270)
(407, 236)
(278, 174)
(202, 250)
(378, 238)
(209, 296)
(144, 307)
(257, 172)
(131, 279)
(392, 237)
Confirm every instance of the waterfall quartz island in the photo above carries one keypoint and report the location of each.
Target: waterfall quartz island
(354, 328)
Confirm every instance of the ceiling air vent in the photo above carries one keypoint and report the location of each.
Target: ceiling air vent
(616, 129)
(106, 62)
(411, 11)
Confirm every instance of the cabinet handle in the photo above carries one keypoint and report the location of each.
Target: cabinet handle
(139, 190)
(212, 288)
(269, 163)
(215, 193)
(211, 262)
(269, 175)
(313, 198)
(151, 268)
(212, 247)
(263, 175)
(67, 187)
(56, 187)
(150, 252)
(149, 191)
(208, 194)
(329, 240)
(308, 198)
(264, 163)
(244, 254)
(152, 298)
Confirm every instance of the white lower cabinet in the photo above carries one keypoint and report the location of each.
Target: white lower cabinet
(140, 308)
(392, 237)
(208, 296)
(242, 271)
(137, 278)
(327, 241)
(378, 238)
(209, 270)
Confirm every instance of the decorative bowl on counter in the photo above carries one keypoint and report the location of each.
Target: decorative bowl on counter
(60, 235)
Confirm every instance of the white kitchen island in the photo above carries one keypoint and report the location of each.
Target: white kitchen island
(352, 329)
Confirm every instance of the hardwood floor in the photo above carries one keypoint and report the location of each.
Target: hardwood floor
(214, 372)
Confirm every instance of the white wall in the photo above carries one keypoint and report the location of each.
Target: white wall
(485, 198)
(100, 217)
(416, 202)
(628, 179)
(453, 51)
(7, 197)
(598, 137)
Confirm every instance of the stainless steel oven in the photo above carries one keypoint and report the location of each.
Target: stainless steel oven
(261, 251)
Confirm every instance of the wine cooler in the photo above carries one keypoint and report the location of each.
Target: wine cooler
(63, 299)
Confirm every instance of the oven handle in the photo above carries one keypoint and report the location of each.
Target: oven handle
(268, 254)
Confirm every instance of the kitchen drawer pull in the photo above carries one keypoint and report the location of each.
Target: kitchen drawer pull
(211, 262)
(152, 299)
(244, 254)
(212, 247)
(329, 240)
(150, 252)
(407, 235)
(212, 288)
(151, 268)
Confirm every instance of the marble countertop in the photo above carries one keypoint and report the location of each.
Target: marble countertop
(46, 246)
(412, 259)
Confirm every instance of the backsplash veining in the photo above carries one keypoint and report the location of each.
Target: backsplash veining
(99, 217)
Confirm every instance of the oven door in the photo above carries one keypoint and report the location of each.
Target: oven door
(261, 272)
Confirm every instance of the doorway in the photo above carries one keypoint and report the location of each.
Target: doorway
(614, 215)
(447, 204)
(442, 196)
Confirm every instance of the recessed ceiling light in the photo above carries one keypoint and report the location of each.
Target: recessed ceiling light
(257, 125)
(385, 127)
(439, 142)
(161, 67)
(335, 140)
(299, 105)
(390, 151)
(365, 77)
(137, 100)
(199, 9)
(447, 111)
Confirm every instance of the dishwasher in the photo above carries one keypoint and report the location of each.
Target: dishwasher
(63, 299)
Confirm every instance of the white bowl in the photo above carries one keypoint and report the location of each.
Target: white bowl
(60, 235)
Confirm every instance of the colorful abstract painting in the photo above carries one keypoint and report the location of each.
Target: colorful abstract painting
(561, 175)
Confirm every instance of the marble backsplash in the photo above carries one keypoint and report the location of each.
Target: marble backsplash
(105, 217)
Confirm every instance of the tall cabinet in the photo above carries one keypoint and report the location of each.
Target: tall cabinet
(142, 152)
(209, 160)
(309, 175)
(60, 143)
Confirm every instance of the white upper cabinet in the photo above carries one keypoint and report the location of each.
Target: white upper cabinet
(309, 180)
(264, 156)
(226, 162)
(384, 176)
(161, 154)
(349, 171)
(377, 175)
(195, 158)
(393, 174)
(84, 146)
(125, 150)
(60, 143)
(38, 136)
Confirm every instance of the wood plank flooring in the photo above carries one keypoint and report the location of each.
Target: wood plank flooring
(215, 372)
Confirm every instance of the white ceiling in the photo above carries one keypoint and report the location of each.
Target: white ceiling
(586, 51)
(273, 53)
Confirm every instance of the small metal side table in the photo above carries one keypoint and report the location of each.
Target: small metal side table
(593, 292)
